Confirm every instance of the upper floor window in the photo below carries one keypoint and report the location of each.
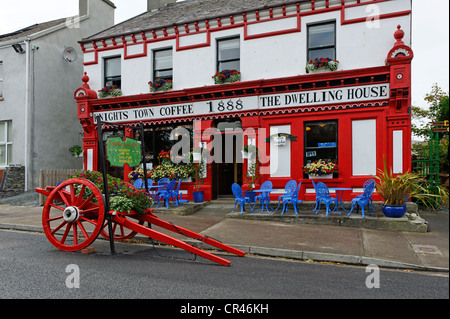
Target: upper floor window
(322, 41)
(112, 71)
(1, 79)
(228, 54)
(5, 143)
(163, 64)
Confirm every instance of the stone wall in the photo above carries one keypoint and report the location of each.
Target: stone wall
(13, 181)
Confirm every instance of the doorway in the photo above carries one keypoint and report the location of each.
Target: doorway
(230, 169)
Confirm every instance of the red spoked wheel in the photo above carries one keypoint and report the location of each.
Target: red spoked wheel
(73, 214)
(120, 233)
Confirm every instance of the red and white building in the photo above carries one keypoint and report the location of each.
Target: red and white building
(356, 115)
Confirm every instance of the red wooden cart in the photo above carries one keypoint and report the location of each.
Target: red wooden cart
(74, 215)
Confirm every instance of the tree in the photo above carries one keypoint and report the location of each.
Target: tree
(438, 110)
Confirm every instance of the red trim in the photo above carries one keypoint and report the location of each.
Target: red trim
(221, 26)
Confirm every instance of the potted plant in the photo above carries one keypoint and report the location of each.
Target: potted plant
(323, 168)
(397, 189)
(76, 150)
(109, 91)
(160, 85)
(226, 76)
(252, 178)
(322, 63)
(197, 173)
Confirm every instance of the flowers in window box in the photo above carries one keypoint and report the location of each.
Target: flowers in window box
(321, 167)
(76, 150)
(138, 173)
(109, 91)
(160, 85)
(227, 76)
(324, 63)
(171, 171)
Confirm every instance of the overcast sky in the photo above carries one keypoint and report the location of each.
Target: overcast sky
(430, 33)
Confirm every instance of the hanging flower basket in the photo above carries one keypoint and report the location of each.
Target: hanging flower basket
(160, 85)
(227, 76)
(76, 151)
(109, 91)
(322, 168)
(322, 63)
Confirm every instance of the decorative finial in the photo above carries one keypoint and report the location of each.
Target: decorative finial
(85, 78)
(399, 34)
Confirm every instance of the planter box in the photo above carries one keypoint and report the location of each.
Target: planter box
(327, 176)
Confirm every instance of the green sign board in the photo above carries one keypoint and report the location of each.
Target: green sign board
(121, 152)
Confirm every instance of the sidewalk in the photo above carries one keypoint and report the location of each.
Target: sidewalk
(302, 237)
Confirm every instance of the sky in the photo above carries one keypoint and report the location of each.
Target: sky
(430, 33)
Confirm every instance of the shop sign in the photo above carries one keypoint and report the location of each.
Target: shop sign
(337, 95)
(280, 138)
(121, 152)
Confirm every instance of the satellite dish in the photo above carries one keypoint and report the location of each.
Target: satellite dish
(69, 54)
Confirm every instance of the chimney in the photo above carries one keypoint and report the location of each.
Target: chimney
(82, 7)
(157, 4)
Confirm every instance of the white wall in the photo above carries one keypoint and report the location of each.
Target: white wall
(358, 45)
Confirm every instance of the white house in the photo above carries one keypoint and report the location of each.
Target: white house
(353, 109)
(40, 66)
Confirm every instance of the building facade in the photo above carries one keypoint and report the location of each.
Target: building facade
(352, 106)
(39, 67)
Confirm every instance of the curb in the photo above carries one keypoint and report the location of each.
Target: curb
(277, 252)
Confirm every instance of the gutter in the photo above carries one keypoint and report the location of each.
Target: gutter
(27, 109)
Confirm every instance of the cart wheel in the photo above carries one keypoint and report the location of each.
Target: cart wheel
(73, 214)
(120, 232)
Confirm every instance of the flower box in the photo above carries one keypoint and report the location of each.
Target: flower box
(109, 91)
(227, 76)
(160, 85)
(326, 176)
(322, 65)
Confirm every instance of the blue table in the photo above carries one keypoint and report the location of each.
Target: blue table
(265, 201)
(339, 192)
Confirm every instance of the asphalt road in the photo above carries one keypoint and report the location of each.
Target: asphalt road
(31, 268)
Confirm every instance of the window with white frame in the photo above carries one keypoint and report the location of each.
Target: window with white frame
(228, 54)
(162, 64)
(1, 79)
(322, 41)
(5, 143)
(112, 72)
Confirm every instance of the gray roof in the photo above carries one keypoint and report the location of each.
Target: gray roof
(32, 29)
(179, 13)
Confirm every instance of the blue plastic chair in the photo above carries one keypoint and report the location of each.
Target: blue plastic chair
(167, 194)
(289, 189)
(293, 199)
(366, 184)
(316, 208)
(178, 196)
(264, 198)
(323, 196)
(364, 199)
(239, 198)
(138, 183)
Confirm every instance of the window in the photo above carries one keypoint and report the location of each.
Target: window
(5, 143)
(112, 72)
(162, 64)
(322, 41)
(321, 141)
(228, 54)
(1, 79)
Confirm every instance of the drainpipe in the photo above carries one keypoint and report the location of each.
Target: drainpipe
(27, 110)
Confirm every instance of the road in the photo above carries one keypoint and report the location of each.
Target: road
(30, 268)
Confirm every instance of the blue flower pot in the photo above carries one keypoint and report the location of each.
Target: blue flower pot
(394, 211)
(198, 196)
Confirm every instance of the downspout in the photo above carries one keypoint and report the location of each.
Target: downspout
(27, 110)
